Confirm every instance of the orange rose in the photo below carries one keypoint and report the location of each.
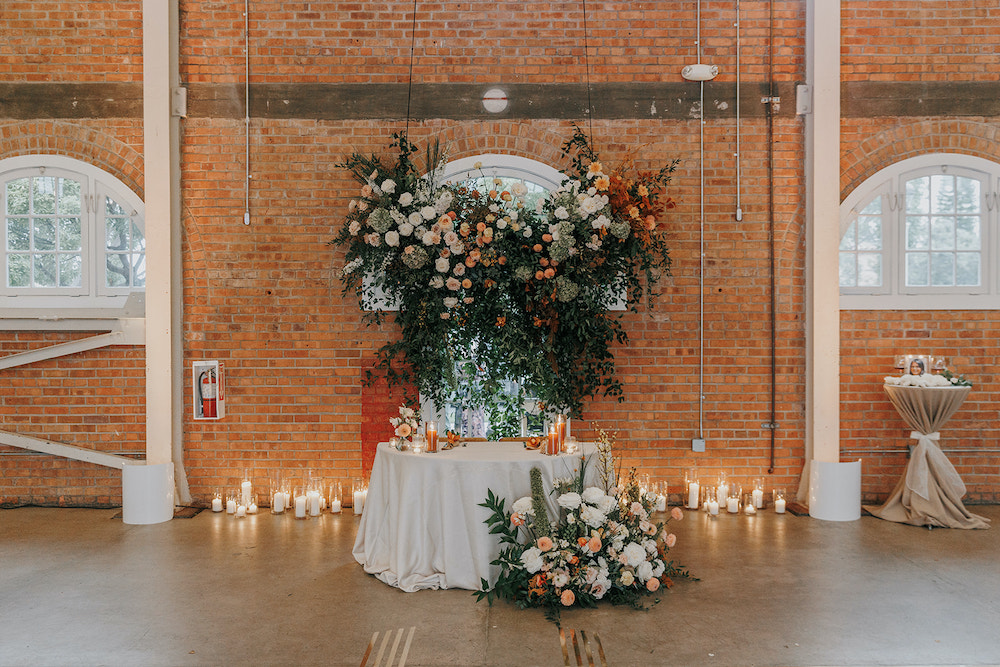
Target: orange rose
(539, 275)
(567, 598)
(537, 247)
(547, 238)
(652, 584)
(549, 272)
(544, 543)
(466, 283)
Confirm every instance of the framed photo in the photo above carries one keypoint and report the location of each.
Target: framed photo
(916, 365)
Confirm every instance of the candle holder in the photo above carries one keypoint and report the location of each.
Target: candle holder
(552, 442)
(431, 433)
(779, 501)
(217, 503)
(561, 429)
(733, 501)
(252, 508)
(246, 488)
(693, 489)
(279, 502)
(757, 495)
(748, 507)
(231, 503)
(722, 490)
(300, 503)
(418, 444)
(359, 495)
(335, 502)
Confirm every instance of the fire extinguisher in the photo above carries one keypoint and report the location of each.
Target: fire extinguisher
(208, 392)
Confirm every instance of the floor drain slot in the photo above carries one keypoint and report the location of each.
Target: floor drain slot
(395, 636)
(581, 645)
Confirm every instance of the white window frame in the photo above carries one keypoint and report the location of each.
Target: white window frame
(893, 294)
(93, 298)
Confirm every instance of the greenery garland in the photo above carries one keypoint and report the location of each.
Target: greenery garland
(524, 292)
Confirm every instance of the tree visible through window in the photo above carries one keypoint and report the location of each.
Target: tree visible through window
(70, 230)
(922, 229)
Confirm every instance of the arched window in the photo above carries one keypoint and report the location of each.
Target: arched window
(921, 234)
(73, 236)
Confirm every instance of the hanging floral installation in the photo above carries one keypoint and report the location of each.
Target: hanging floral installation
(524, 291)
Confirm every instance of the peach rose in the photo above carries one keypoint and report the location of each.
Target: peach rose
(670, 541)
(595, 544)
(676, 513)
(466, 283)
(547, 238)
(539, 275)
(652, 584)
(404, 430)
(544, 543)
(567, 598)
(537, 247)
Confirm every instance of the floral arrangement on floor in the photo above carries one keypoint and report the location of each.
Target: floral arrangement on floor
(478, 274)
(943, 379)
(603, 545)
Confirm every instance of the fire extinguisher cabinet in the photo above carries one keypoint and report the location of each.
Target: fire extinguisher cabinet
(208, 389)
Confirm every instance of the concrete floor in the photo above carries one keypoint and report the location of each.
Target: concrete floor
(78, 587)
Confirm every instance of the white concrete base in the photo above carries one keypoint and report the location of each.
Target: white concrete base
(835, 490)
(147, 493)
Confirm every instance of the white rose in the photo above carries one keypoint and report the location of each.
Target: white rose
(561, 213)
(591, 205)
(429, 238)
(450, 302)
(644, 571)
(523, 505)
(392, 238)
(405, 229)
(518, 189)
(569, 500)
(627, 578)
(607, 503)
(453, 284)
(415, 219)
(388, 186)
(442, 264)
(532, 560)
(428, 213)
(658, 569)
(600, 222)
(600, 587)
(405, 199)
(354, 227)
(634, 553)
(592, 494)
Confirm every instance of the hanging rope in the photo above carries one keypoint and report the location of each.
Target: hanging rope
(409, 74)
(586, 63)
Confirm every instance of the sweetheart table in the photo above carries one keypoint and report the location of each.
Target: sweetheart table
(422, 527)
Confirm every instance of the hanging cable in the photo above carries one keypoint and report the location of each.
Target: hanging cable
(739, 163)
(771, 110)
(409, 74)
(586, 64)
(701, 240)
(246, 103)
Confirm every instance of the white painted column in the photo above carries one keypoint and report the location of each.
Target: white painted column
(157, 153)
(823, 230)
(834, 487)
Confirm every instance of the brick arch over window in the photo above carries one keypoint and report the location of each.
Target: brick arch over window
(510, 137)
(86, 144)
(914, 139)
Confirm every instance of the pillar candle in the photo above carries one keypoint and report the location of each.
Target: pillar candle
(779, 506)
(721, 493)
(749, 509)
(231, 506)
(312, 502)
(216, 504)
(335, 506)
(694, 489)
(432, 436)
(553, 442)
(300, 507)
(252, 508)
(241, 511)
(758, 498)
(278, 502)
(713, 507)
(561, 429)
(359, 500)
(733, 505)
(246, 489)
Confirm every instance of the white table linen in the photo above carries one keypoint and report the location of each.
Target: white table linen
(422, 527)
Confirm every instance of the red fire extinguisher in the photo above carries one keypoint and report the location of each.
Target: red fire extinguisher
(208, 392)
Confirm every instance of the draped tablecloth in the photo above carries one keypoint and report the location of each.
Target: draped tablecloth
(422, 527)
(930, 491)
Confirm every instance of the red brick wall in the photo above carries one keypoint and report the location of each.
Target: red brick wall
(265, 298)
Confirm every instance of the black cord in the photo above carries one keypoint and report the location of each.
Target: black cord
(586, 63)
(409, 74)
